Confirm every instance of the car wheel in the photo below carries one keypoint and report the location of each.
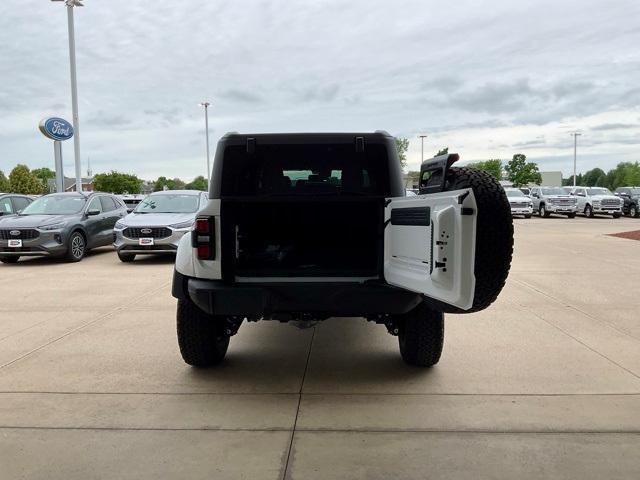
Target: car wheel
(11, 259)
(633, 211)
(77, 247)
(494, 235)
(616, 215)
(543, 211)
(527, 215)
(588, 211)
(126, 257)
(421, 336)
(571, 215)
(201, 337)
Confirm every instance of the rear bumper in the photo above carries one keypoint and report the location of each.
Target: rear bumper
(283, 301)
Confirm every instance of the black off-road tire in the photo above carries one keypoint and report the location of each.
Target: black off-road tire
(494, 234)
(633, 211)
(421, 336)
(126, 257)
(201, 337)
(77, 248)
(9, 259)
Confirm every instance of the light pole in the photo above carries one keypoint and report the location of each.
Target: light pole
(422, 137)
(206, 128)
(74, 87)
(575, 149)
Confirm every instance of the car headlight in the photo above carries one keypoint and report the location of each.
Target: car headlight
(119, 224)
(182, 225)
(53, 226)
(530, 204)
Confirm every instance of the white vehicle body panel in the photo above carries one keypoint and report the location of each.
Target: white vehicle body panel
(437, 259)
(186, 261)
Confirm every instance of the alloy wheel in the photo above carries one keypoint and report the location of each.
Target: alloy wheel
(77, 246)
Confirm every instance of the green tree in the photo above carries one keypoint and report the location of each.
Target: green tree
(199, 183)
(117, 182)
(402, 145)
(590, 178)
(178, 184)
(44, 174)
(442, 151)
(625, 173)
(493, 167)
(520, 172)
(4, 182)
(162, 182)
(22, 180)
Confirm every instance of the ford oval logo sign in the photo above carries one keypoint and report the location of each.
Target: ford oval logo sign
(56, 128)
(15, 233)
(146, 231)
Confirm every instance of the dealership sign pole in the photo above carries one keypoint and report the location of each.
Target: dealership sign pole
(58, 130)
(74, 87)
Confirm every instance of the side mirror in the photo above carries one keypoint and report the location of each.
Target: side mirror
(92, 212)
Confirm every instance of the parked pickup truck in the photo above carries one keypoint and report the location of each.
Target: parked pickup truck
(597, 200)
(548, 200)
(519, 203)
(303, 227)
(631, 198)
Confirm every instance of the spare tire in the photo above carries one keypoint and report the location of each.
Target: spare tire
(494, 234)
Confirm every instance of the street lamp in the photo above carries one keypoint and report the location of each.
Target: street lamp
(575, 136)
(74, 87)
(206, 128)
(422, 137)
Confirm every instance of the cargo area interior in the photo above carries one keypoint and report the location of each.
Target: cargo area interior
(307, 238)
(304, 210)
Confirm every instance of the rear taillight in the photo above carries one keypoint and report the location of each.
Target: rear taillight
(203, 238)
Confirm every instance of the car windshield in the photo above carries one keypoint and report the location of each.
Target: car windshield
(599, 191)
(514, 193)
(168, 203)
(56, 205)
(553, 191)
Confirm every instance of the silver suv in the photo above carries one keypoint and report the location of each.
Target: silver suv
(597, 200)
(548, 200)
(158, 223)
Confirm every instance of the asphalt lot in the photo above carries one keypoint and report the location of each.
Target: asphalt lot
(544, 384)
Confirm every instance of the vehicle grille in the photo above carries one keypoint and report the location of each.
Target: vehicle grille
(26, 234)
(156, 232)
(563, 201)
(610, 202)
(519, 204)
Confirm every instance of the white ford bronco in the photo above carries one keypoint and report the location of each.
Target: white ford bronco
(311, 226)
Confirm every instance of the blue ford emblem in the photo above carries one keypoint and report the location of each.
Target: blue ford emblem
(146, 231)
(56, 128)
(15, 233)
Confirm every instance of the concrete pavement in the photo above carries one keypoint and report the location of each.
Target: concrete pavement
(543, 384)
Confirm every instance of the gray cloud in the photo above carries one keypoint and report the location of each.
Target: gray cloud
(243, 96)
(614, 126)
(327, 65)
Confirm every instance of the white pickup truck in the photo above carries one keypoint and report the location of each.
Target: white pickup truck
(597, 201)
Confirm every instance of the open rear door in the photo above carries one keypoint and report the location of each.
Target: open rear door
(429, 245)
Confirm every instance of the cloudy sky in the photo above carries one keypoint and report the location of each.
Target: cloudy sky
(488, 79)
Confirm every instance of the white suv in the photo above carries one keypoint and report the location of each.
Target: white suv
(520, 203)
(597, 200)
(303, 227)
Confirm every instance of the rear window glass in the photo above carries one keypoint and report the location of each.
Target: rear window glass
(305, 170)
